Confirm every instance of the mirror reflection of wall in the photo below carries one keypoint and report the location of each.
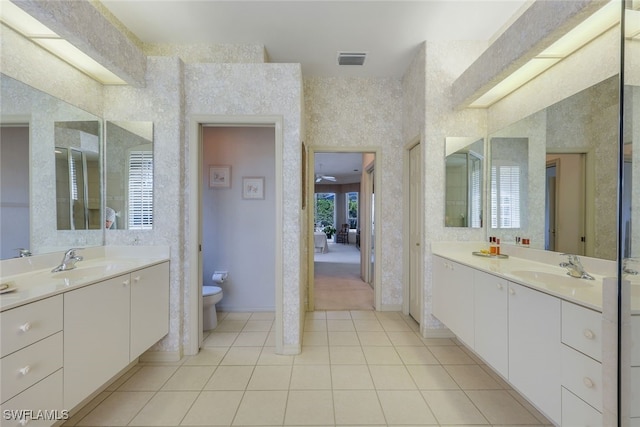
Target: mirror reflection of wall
(129, 174)
(464, 182)
(78, 190)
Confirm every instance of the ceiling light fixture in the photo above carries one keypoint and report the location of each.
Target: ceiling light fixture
(34, 30)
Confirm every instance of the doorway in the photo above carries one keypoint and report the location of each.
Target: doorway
(342, 240)
(414, 211)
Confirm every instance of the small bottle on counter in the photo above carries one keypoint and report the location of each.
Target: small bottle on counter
(497, 246)
(492, 246)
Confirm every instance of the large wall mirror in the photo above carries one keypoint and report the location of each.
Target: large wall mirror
(553, 175)
(29, 206)
(464, 160)
(129, 175)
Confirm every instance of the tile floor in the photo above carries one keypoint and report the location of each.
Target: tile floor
(356, 368)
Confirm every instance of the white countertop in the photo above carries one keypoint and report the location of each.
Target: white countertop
(32, 282)
(526, 267)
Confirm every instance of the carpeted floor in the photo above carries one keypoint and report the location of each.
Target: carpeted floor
(337, 284)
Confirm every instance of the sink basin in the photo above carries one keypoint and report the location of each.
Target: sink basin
(552, 279)
(90, 272)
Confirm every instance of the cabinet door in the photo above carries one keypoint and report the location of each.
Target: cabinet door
(534, 347)
(491, 320)
(453, 297)
(96, 336)
(149, 307)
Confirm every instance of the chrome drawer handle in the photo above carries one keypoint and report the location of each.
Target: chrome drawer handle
(25, 326)
(588, 334)
(125, 282)
(136, 279)
(24, 371)
(512, 291)
(588, 382)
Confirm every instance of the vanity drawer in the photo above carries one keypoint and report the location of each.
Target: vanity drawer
(575, 412)
(582, 376)
(635, 392)
(26, 367)
(29, 323)
(582, 329)
(635, 340)
(43, 396)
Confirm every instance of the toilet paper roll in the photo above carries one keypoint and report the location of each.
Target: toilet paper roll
(218, 278)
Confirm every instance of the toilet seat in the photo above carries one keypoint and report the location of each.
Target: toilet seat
(208, 291)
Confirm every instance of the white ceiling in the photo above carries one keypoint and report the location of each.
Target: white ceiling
(313, 32)
(345, 167)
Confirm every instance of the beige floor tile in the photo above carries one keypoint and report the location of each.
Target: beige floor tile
(123, 378)
(343, 338)
(258, 326)
(391, 377)
(316, 315)
(117, 410)
(315, 325)
(351, 377)
(438, 341)
(268, 356)
(374, 339)
(213, 408)
(309, 407)
(493, 374)
(381, 356)
(210, 356)
(451, 355)
(499, 407)
(341, 315)
(220, 339)
(311, 355)
(264, 408)
(263, 315)
(82, 412)
(148, 378)
(237, 315)
(271, 339)
(541, 418)
(411, 355)
(392, 325)
(315, 338)
(250, 339)
(166, 408)
(228, 325)
(189, 378)
(221, 315)
(270, 378)
(432, 377)
(363, 314)
(347, 355)
(311, 377)
(388, 315)
(403, 338)
(472, 377)
(472, 355)
(359, 407)
(241, 356)
(230, 378)
(453, 407)
(405, 407)
(338, 325)
(368, 325)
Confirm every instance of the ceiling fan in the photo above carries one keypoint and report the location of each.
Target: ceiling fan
(325, 178)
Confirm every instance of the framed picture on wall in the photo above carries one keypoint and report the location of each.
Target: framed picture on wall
(220, 176)
(252, 187)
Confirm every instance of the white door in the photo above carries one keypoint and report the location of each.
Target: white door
(415, 232)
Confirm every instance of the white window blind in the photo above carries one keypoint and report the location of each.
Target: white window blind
(475, 206)
(505, 196)
(140, 212)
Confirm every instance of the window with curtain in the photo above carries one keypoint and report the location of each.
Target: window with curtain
(505, 196)
(140, 190)
(352, 209)
(475, 198)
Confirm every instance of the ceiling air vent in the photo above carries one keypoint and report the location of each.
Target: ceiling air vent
(351, 58)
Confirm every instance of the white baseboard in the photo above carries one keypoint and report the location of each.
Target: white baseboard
(291, 349)
(437, 333)
(161, 356)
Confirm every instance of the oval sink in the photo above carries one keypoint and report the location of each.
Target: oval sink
(94, 271)
(552, 279)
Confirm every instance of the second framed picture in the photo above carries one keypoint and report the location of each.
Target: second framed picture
(253, 187)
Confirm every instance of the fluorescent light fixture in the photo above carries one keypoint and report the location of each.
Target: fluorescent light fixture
(592, 27)
(632, 24)
(34, 30)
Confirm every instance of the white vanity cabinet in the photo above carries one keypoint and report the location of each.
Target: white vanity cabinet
(534, 347)
(96, 336)
(149, 307)
(453, 297)
(491, 320)
(635, 370)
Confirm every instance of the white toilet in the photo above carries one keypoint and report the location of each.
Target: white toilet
(211, 295)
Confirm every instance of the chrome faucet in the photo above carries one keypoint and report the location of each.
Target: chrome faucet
(23, 253)
(629, 266)
(68, 261)
(574, 267)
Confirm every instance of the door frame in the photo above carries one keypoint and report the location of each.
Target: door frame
(555, 163)
(194, 231)
(406, 232)
(312, 150)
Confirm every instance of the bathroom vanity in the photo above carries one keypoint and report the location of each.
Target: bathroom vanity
(66, 335)
(540, 329)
